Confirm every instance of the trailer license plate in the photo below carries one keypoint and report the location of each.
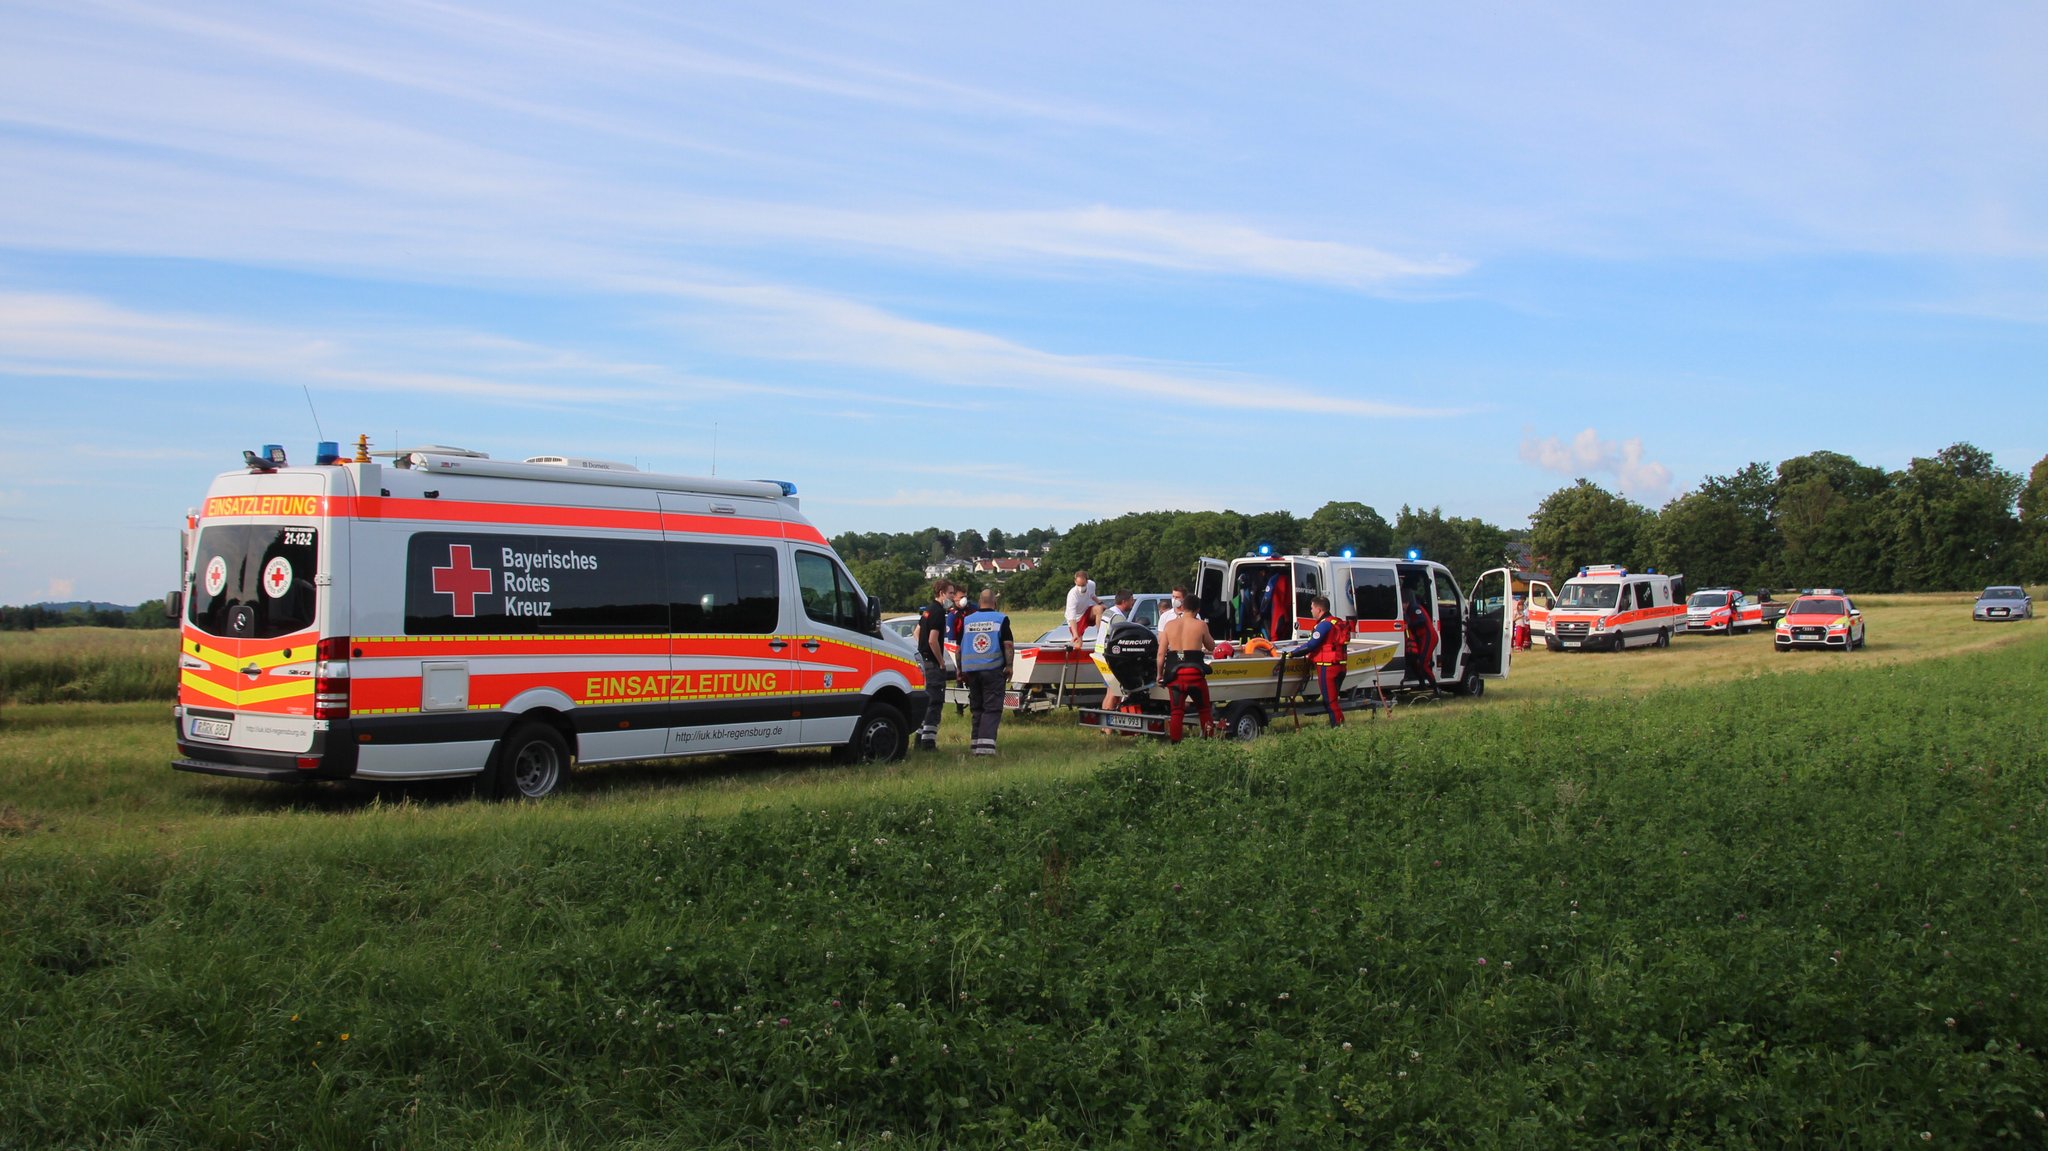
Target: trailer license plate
(213, 728)
(1126, 722)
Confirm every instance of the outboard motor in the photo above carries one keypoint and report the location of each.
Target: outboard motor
(1132, 653)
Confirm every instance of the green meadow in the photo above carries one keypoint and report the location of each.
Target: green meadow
(1708, 896)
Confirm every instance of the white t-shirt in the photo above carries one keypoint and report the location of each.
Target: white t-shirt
(1080, 599)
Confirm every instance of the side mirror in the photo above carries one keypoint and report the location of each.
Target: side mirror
(871, 623)
(174, 604)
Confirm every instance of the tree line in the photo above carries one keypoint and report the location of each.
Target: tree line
(1951, 521)
(33, 617)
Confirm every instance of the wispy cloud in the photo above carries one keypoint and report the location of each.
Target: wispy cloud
(784, 323)
(1586, 454)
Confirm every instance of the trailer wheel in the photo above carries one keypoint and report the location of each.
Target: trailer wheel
(881, 736)
(533, 763)
(1243, 720)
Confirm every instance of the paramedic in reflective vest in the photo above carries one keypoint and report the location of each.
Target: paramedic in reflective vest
(931, 653)
(986, 651)
(1326, 648)
(1422, 639)
(1184, 645)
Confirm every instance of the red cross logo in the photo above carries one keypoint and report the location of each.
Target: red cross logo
(461, 580)
(278, 577)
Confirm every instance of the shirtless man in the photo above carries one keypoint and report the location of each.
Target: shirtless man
(1184, 644)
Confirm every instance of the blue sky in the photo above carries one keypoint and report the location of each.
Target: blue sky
(1173, 255)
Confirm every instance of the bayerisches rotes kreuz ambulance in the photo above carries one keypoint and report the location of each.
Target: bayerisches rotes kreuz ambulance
(1607, 606)
(446, 615)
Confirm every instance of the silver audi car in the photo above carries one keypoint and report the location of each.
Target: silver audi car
(2003, 603)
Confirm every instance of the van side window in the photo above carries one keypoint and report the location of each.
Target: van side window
(1307, 583)
(1146, 613)
(720, 588)
(472, 583)
(1645, 595)
(1627, 602)
(829, 594)
(1375, 594)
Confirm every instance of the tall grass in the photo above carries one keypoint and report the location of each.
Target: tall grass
(1786, 909)
(88, 665)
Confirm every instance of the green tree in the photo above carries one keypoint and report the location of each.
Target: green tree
(1823, 516)
(1719, 533)
(1466, 546)
(1347, 523)
(1948, 521)
(2031, 560)
(1587, 524)
(899, 586)
(997, 541)
(971, 544)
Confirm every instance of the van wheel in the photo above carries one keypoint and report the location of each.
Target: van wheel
(533, 763)
(1243, 720)
(1472, 685)
(1664, 637)
(881, 736)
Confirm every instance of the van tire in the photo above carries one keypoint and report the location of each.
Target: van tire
(532, 763)
(1243, 721)
(881, 736)
(1472, 685)
(1664, 637)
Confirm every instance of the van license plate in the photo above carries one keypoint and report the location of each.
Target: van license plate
(1124, 722)
(213, 728)
(1571, 643)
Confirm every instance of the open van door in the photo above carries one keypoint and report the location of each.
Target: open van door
(1490, 624)
(1213, 600)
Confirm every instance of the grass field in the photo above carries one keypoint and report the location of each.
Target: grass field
(1658, 898)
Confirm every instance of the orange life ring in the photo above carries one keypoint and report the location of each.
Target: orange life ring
(1257, 645)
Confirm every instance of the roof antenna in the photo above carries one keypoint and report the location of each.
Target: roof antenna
(320, 432)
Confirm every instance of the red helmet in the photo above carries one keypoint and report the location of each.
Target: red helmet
(1223, 649)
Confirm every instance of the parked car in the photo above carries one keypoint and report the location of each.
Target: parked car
(1821, 618)
(2003, 602)
(901, 630)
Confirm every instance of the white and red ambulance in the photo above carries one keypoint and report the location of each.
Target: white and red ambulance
(445, 614)
(1268, 596)
(1608, 607)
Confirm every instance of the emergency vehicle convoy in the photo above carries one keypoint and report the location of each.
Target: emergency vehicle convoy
(446, 614)
(1606, 606)
(1259, 606)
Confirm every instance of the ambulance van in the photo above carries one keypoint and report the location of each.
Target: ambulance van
(442, 614)
(1267, 596)
(1606, 607)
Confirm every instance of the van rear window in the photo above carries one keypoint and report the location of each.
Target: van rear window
(253, 581)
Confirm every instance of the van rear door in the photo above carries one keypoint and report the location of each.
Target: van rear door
(1491, 625)
(1210, 594)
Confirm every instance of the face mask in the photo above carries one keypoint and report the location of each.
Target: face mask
(1177, 602)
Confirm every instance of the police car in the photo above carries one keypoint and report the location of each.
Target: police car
(1821, 618)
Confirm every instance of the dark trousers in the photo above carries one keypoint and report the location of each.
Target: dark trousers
(985, 706)
(1185, 682)
(934, 701)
